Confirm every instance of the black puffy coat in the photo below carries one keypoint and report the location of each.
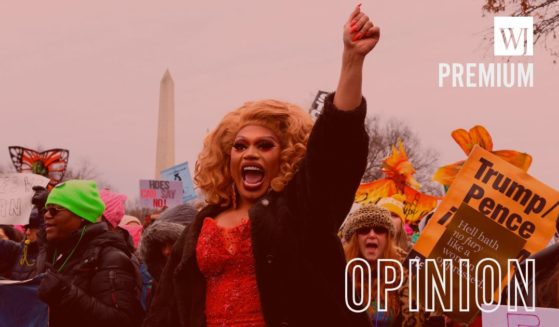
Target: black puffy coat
(299, 260)
(103, 282)
(9, 252)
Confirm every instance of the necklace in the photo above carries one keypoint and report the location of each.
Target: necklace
(69, 255)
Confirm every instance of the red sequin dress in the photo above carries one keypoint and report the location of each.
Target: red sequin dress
(225, 258)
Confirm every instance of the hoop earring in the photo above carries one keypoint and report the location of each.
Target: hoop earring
(234, 196)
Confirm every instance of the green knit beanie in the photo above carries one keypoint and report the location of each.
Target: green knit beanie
(80, 197)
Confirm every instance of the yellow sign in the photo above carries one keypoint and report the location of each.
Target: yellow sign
(492, 210)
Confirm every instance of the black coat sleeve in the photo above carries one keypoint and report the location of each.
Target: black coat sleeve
(323, 189)
(113, 298)
(9, 252)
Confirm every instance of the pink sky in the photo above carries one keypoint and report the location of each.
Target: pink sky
(85, 76)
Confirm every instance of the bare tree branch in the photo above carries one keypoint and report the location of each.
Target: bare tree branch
(134, 208)
(84, 169)
(545, 13)
(385, 134)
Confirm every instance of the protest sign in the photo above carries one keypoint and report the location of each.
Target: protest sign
(50, 163)
(318, 104)
(181, 173)
(520, 318)
(492, 210)
(16, 191)
(158, 194)
(20, 305)
(398, 187)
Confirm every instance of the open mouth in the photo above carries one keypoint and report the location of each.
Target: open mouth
(253, 177)
(371, 245)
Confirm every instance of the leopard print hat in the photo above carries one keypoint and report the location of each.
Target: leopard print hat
(368, 215)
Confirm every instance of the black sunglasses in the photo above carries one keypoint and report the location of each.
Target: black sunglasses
(367, 230)
(53, 211)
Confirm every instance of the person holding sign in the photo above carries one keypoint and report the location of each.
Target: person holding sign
(369, 235)
(89, 278)
(265, 251)
(17, 260)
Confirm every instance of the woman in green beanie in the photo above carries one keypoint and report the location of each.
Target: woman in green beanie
(89, 277)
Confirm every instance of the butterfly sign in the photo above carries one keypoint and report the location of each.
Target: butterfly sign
(50, 163)
(415, 203)
(398, 181)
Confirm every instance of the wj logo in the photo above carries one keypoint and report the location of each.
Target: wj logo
(513, 36)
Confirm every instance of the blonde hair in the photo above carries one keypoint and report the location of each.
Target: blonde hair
(401, 238)
(352, 251)
(290, 124)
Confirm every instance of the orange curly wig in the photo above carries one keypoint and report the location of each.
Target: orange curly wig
(289, 122)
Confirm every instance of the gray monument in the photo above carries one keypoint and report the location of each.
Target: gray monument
(165, 151)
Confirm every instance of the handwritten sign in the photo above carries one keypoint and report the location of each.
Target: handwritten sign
(16, 191)
(181, 173)
(158, 194)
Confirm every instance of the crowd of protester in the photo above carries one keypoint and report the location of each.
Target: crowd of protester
(268, 248)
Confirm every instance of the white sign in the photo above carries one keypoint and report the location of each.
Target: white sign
(16, 191)
(513, 36)
(159, 194)
(181, 173)
(504, 317)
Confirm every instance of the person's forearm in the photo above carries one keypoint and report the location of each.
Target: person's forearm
(348, 94)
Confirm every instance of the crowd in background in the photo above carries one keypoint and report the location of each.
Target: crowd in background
(269, 246)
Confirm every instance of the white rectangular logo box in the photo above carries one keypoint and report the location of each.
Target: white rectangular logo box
(513, 36)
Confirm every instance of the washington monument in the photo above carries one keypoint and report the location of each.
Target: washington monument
(165, 151)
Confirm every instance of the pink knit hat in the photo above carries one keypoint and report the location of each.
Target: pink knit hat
(135, 230)
(114, 206)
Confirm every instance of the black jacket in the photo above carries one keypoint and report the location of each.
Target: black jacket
(103, 283)
(9, 252)
(299, 260)
(546, 262)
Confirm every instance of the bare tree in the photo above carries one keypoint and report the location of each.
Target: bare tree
(134, 208)
(83, 170)
(383, 135)
(545, 13)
